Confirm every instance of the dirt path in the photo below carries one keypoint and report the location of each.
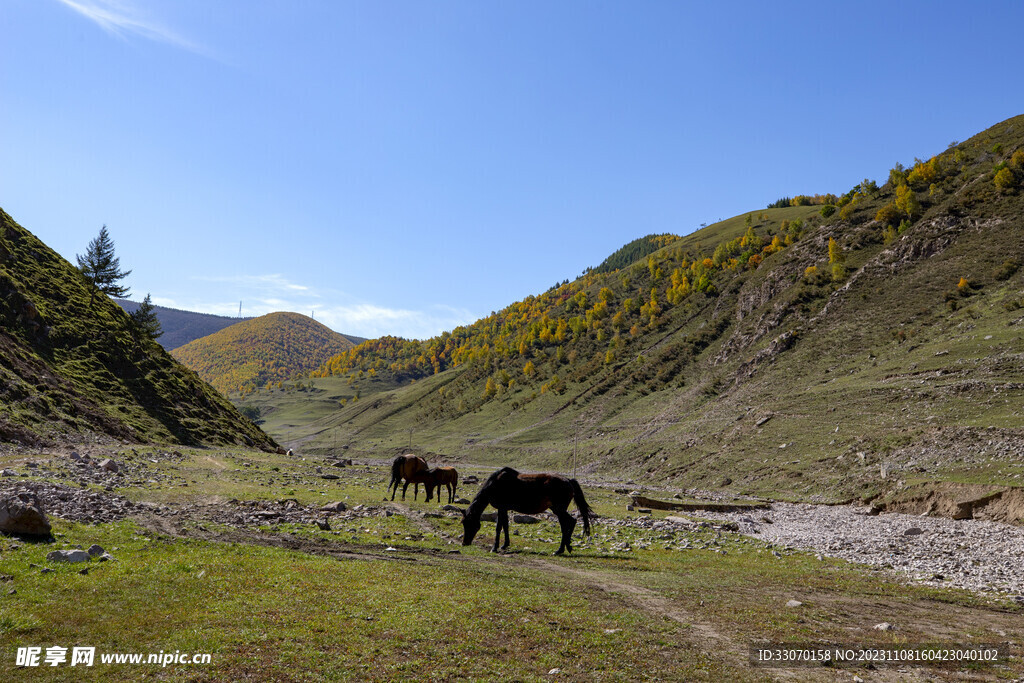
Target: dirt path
(645, 599)
(217, 464)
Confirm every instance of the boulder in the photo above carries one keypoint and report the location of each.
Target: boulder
(525, 519)
(68, 556)
(95, 550)
(21, 514)
(329, 476)
(337, 506)
(108, 465)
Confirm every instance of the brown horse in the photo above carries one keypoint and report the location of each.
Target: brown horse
(507, 490)
(443, 476)
(413, 469)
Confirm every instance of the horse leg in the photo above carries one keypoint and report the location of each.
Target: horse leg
(451, 494)
(405, 488)
(395, 483)
(568, 524)
(502, 519)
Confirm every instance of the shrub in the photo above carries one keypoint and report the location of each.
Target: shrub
(827, 210)
(1007, 270)
(1004, 179)
(888, 214)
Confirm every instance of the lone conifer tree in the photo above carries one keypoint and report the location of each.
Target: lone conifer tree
(102, 268)
(145, 319)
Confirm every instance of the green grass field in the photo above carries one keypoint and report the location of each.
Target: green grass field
(384, 597)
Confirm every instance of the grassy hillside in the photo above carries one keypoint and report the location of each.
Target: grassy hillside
(741, 356)
(73, 365)
(261, 351)
(181, 327)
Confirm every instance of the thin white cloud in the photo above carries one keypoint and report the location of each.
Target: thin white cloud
(122, 18)
(262, 294)
(274, 282)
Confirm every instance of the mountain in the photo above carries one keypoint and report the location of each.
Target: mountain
(181, 327)
(840, 346)
(74, 366)
(263, 350)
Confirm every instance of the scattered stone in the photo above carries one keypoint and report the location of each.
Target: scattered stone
(461, 501)
(554, 672)
(913, 531)
(794, 603)
(45, 570)
(95, 550)
(471, 479)
(109, 465)
(71, 556)
(610, 631)
(8, 473)
(329, 476)
(83, 571)
(106, 557)
(432, 515)
(21, 513)
(525, 519)
(884, 626)
(323, 524)
(337, 506)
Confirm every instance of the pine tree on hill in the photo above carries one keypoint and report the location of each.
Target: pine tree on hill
(145, 319)
(102, 268)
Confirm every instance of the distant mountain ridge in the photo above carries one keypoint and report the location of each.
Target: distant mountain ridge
(181, 327)
(74, 365)
(268, 349)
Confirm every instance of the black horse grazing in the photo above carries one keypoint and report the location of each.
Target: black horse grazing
(414, 470)
(507, 490)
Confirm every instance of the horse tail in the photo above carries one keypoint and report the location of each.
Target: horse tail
(581, 504)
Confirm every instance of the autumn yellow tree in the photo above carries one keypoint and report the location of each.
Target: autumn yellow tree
(906, 201)
(1004, 179)
(838, 260)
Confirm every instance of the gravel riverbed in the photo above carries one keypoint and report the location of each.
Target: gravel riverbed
(972, 554)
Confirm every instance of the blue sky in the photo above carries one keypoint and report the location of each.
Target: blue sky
(405, 167)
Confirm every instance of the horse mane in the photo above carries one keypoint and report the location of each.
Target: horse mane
(483, 497)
